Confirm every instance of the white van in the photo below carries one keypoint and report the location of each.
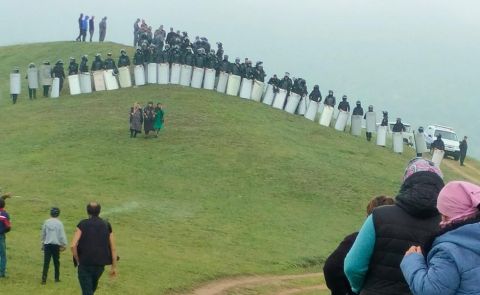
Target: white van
(449, 137)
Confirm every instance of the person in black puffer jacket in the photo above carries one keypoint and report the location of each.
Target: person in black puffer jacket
(373, 264)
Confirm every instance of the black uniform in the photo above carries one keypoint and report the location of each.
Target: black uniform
(438, 144)
(200, 60)
(286, 83)
(344, 106)
(72, 68)
(83, 65)
(398, 127)
(236, 69)
(97, 64)
(260, 74)
(315, 95)
(59, 72)
(188, 58)
(463, 151)
(123, 61)
(358, 111)
(110, 65)
(330, 100)
(385, 119)
(212, 61)
(138, 58)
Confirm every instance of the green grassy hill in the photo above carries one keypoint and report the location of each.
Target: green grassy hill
(230, 187)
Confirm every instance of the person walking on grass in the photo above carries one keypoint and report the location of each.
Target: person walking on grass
(5, 227)
(136, 120)
(91, 27)
(54, 241)
(80, 21)
(93, 247)
(159, 119)
(103, 29)
(463, 150)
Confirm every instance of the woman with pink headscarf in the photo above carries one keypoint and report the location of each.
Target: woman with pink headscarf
(452, 265)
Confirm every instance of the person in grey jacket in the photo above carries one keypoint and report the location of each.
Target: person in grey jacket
(54, 240)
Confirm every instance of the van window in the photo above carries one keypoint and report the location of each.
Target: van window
(446, 135)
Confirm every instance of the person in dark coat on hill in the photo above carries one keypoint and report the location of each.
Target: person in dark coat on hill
(219, 50)
(188, 57)
(274, 80)
(335, 278)
(136, 32)
(358, 110)
(97, 64)
(224, 65)
(148, 118)
(438, 144)
(286, 83)
(123, 60)
(399, 127)
(138, 58)
(83, 64)
(200, 58)
(236, 68)
(344, 105)
(110, 63)
(59, 72)
(80, 21)
(259, 73)
(372, 265)
(72, 67)
(384, 119)
(330, 99)
(463, 150)
(103, 29)
(91, 27)
(211, 61)
(316, 95)
(136, 120)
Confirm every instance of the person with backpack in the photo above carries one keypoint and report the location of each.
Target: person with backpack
(54, 241)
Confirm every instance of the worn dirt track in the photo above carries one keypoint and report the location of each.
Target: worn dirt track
(222, 286)
(469, 172)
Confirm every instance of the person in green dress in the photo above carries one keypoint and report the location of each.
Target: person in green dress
(159, 118)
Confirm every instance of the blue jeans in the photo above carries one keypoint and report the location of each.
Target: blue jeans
(3, 255)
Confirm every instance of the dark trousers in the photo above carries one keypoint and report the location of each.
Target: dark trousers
(60, 84)
(32, 93)
(51, 251)
(84, 35)
(91, 34)
(462, 158)
(46, 88)
(369, 136)
(88, 276)
(102, 35)
(133, 133)
(14, 98)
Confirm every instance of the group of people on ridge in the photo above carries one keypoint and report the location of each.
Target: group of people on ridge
(152, 118)
(86, 23)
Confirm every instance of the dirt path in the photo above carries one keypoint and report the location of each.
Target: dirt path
(302, 290)
(469, 171)
(222, 286)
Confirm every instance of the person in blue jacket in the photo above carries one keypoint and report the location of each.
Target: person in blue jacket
(452, 265)
(372, 266)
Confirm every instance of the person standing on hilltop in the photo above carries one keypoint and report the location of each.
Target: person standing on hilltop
(84, 28)
(159, 119)
(344, 105)
(103, 29)
(45, 76)
(91, 27)
(5, 227)
(54, 240)
(93, 247)
(330, 99)
(463, 150)
(59, 72)
(370, 125)
(358, 110)
(80, 21)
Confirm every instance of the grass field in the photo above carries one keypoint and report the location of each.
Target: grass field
(230, 187)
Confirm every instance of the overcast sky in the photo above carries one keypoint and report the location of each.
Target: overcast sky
(417, 59)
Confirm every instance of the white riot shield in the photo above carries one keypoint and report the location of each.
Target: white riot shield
(74, 84)
(209, 81)
(222, 82)
(175, 74)
(269, 95)
(246, 88)
(397, 142)
(163, 74)
(356, 127)
(139, 74)
(186, 75)
(124, 77)
(420, 143)
(382, 135)
(257, 90)
(110, 80)
(85, 83)
(55, 92)
(152, 73)
(233, 84)
(45, 75)
(371, 122)
(15, 85)
(197, 78)
(99, 81)
(32, 74)
(342, 119)
(279, 100)
(326, 117)
(302, 106)
(312, 110)
(438, 157)
(292, 103)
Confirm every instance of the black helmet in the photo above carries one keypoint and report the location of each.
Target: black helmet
(54, 212)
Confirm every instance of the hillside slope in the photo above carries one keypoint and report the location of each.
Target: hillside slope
(230, 187)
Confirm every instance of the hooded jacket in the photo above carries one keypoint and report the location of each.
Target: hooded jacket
(452, 265)
(373, 264)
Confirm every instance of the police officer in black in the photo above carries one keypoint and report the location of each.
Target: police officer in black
(84, 65)
(72, 67)
(316, 95)
(123, 60)
(330, 99)
(344, 105)
(98, 64)
(109, 63)
(399, 127)
(59, 72)
(463, 150)
(358, 110)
